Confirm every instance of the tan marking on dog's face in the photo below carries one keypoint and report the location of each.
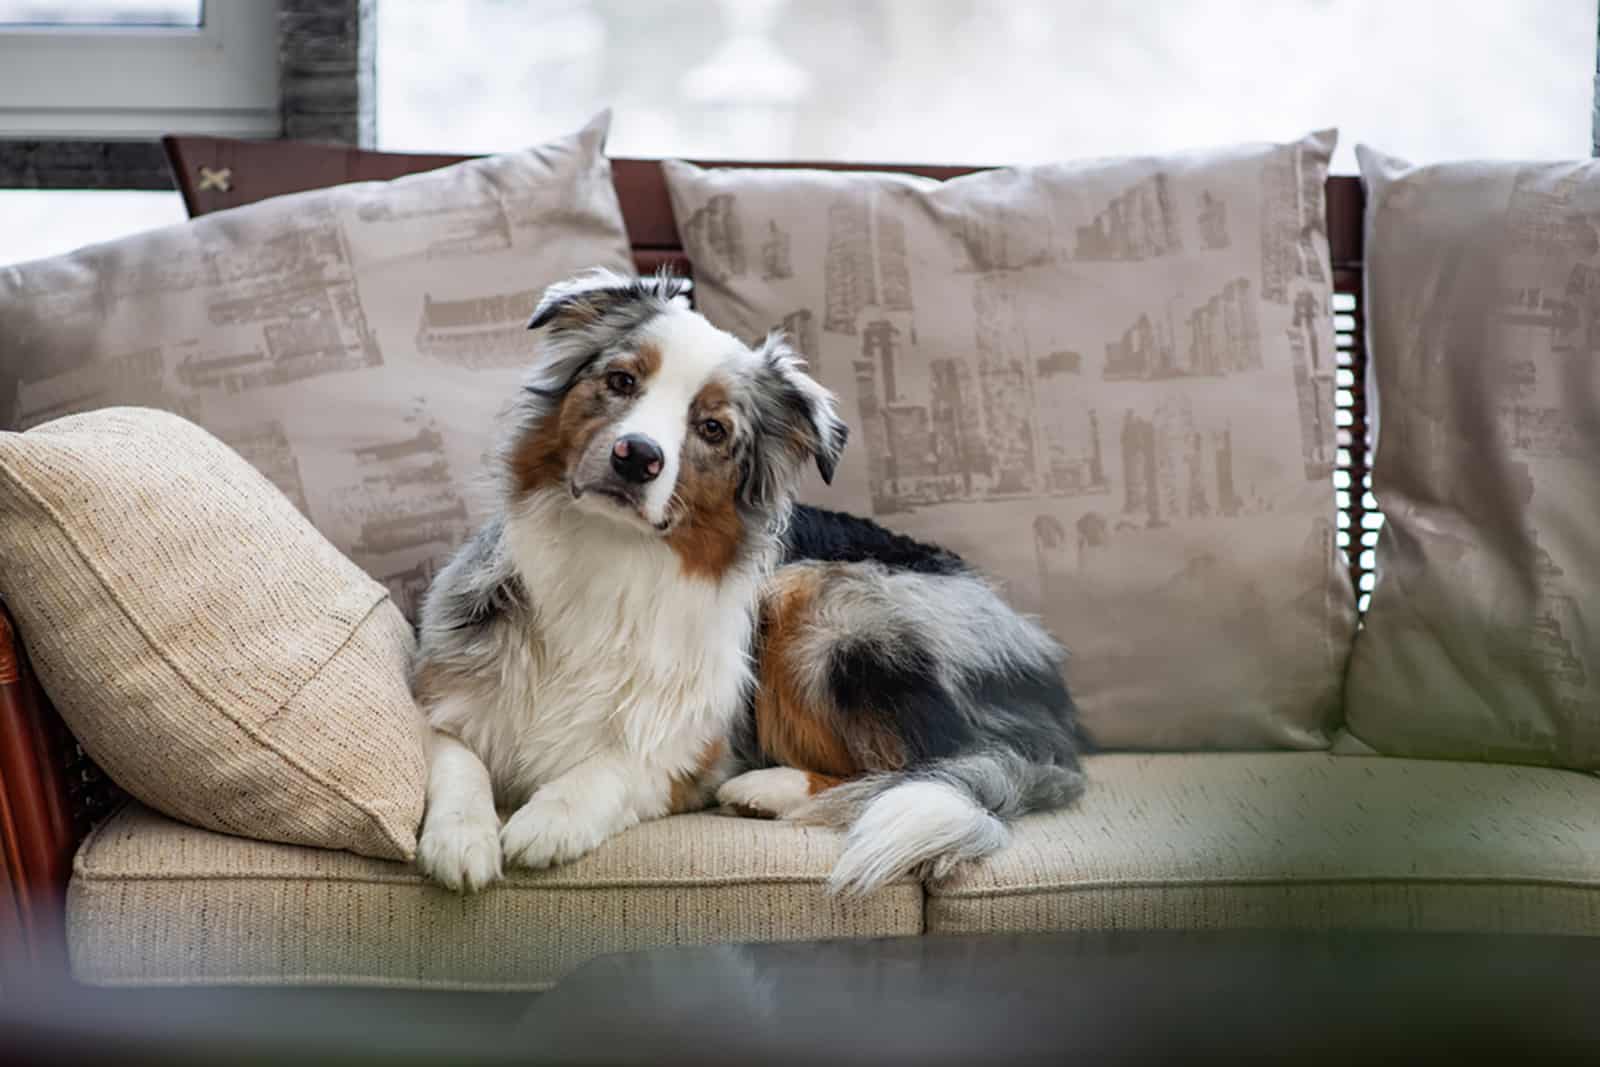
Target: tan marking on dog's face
(548, 453)
(712, 401)
(707, 529)
(707, 537)
(645, 361)
(689, 792)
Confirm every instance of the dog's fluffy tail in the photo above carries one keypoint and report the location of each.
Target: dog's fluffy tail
(930, 819)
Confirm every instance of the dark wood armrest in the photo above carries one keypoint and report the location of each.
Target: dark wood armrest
(36, 831)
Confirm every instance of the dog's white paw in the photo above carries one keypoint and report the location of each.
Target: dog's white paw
(771, 792)
(548, 830)
(460, 851)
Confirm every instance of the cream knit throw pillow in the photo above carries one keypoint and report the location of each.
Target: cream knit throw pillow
(216, 655)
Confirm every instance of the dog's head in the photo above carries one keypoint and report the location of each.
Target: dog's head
(645, 414)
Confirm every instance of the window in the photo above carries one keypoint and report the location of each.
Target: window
(48, 223)
(125, 69)
(138, 69)
(989, 80)
(40, 13)
(899, 80)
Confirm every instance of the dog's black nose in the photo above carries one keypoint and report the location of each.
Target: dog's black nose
(636, 458)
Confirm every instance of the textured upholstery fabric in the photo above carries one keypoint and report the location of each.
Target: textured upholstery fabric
(1296, 840)
(156, 902)
(1483, 314)
(1203, 841)
(355, 343)
(214, 654)
(1109, 384)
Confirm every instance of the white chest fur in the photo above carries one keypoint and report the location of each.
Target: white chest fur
(625, 653)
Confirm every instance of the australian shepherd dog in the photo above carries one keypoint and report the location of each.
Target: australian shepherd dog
(651, 624)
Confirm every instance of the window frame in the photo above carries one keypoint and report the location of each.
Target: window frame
(321, 55)
(219, 78)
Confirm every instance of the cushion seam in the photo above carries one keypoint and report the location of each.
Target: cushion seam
(292, 979)
(369, 810)
(194, 686)
(80, 862)
(1037, 889)
(86, 878)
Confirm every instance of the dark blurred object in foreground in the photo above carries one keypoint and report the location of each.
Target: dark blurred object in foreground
(1088, 998)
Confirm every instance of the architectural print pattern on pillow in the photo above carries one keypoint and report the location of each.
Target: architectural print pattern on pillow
(354, 343)
(1109, 384)
(1484, 317)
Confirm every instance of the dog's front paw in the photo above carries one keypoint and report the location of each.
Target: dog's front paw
(548, 830)
(769, 793)
(460, 851)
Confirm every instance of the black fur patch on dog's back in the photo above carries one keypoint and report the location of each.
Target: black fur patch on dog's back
(1030, 710)
(834, 537)
(900, 692)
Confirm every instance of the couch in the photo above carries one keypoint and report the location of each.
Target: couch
(119, 895)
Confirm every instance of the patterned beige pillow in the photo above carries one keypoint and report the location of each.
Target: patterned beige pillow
(1483, 316)
(1109, 384)
(354, 343)
(214, 653)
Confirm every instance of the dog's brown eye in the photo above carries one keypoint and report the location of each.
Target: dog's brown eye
(621, 382)
(713, 431)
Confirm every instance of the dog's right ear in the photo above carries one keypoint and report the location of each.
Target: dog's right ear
(589, 298)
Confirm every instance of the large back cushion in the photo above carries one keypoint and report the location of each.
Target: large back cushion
(1482, 640)
(1109, 384)
(354, 343)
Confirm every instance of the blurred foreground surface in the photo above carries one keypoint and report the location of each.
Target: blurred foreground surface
(1086, 998)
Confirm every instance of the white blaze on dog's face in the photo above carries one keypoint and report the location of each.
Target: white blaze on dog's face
(648, 416)
(674, 378)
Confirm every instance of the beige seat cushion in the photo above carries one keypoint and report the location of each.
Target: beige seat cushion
(155, 902)
(1296, 840)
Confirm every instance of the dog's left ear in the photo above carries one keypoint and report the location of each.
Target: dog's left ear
(813, 409)
(586, 300)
